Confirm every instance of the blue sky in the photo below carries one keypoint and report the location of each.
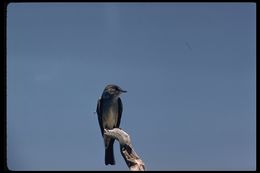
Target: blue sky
(189, 69)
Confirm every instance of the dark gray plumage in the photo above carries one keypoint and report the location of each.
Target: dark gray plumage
(109, 111)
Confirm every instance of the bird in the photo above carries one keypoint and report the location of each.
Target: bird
(109, 111)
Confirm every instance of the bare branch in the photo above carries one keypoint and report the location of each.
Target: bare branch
(132, 160)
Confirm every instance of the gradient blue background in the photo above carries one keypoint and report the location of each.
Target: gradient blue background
(189, 69)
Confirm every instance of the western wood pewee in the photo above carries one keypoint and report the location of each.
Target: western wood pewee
(109, 111)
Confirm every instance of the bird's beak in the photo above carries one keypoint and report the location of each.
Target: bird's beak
(123, 91)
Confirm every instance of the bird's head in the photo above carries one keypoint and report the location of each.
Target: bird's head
(112, 91)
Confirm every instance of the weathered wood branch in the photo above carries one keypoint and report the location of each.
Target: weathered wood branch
(132, 160)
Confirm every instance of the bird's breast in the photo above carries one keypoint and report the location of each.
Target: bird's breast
(110, 114)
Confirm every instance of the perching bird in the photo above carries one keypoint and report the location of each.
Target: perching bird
(109, 111)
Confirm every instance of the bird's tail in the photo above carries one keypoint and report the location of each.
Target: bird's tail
(109, 153)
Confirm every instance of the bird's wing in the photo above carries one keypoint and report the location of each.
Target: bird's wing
(120, 110)
(99, 113)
